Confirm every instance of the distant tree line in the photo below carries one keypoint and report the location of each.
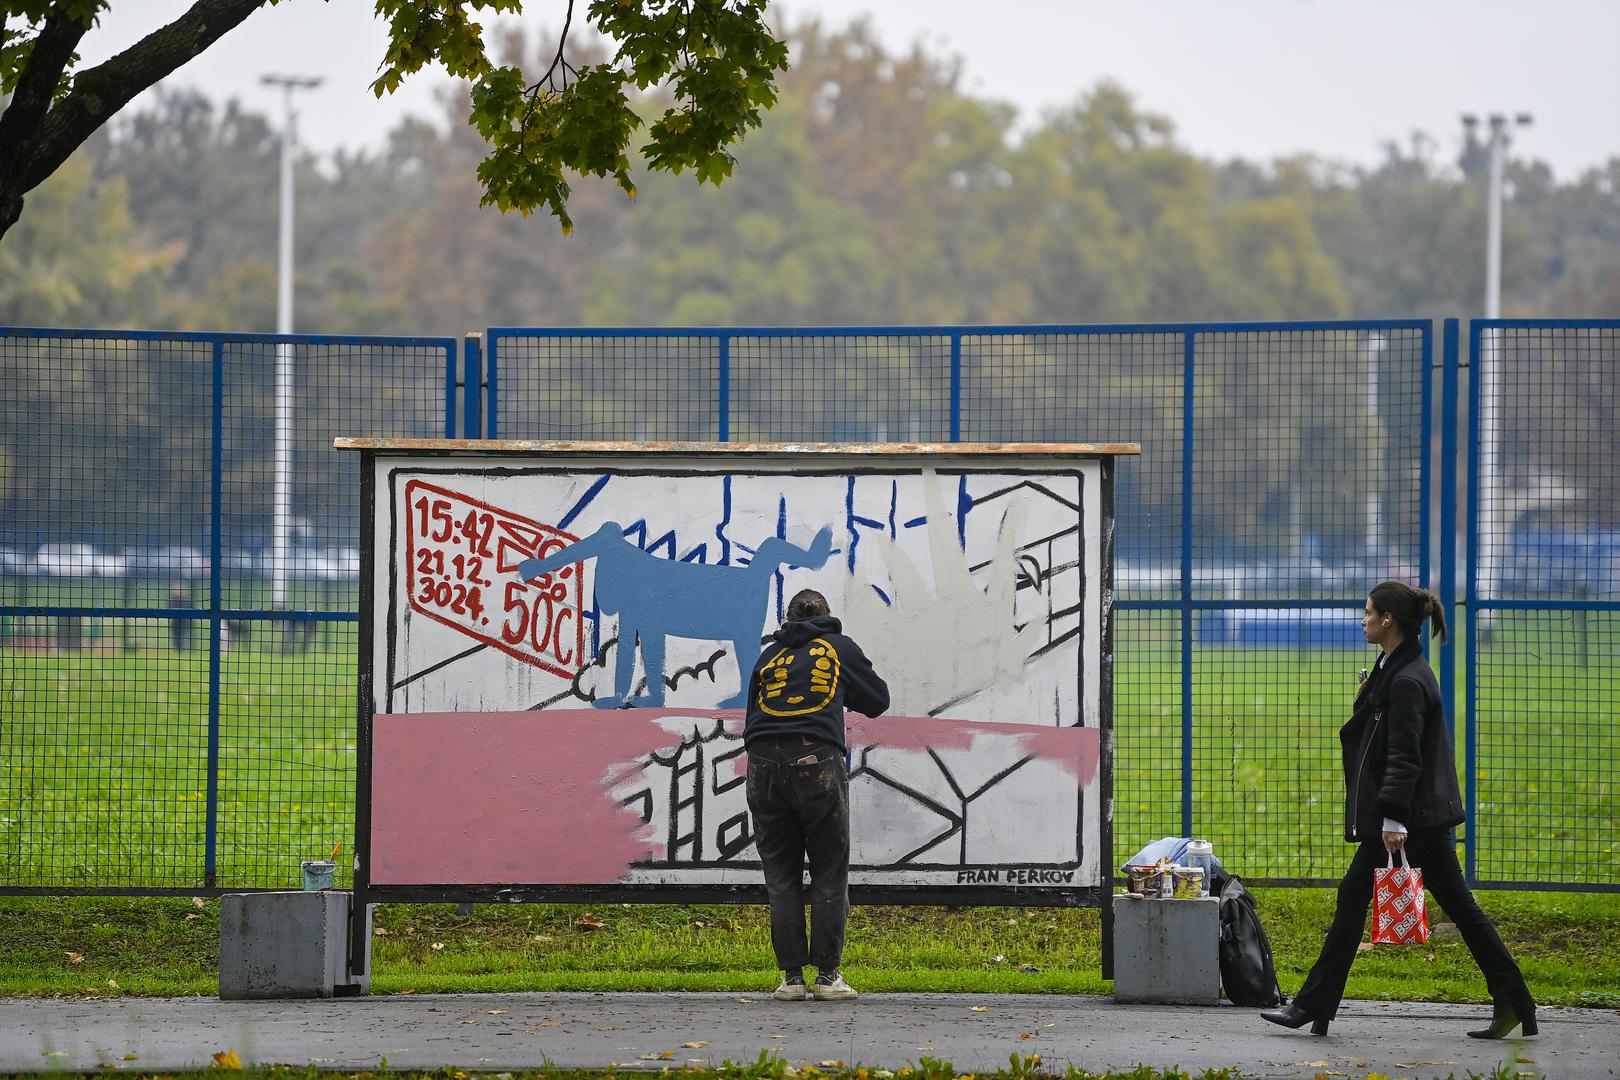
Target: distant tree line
(877, 191)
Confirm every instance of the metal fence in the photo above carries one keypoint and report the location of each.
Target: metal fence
(178, 592)
(1543, 590)
(176, 670)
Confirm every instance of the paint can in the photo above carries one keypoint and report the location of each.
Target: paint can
(1144, 880)
(1189, 882)
(1201, 853)
(317, 874)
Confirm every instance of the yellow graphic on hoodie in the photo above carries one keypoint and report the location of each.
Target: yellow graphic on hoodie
(788, 686)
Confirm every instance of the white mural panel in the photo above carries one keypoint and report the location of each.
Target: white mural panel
(577, 590)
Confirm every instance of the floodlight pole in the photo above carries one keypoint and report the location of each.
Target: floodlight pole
(1488, 500)
(1377, 342)
(282, 503)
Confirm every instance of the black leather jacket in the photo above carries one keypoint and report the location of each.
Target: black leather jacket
(1398, 758)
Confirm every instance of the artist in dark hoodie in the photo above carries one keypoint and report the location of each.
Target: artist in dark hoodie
(798, 786)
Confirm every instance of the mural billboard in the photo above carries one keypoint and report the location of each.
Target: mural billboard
(558, 640)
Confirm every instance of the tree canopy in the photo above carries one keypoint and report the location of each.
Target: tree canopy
(714, 64)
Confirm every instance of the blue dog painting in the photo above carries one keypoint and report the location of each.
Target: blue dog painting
(658, 598)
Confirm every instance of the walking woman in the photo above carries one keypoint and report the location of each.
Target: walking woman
(1401, 791)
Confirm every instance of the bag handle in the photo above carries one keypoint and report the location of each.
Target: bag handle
(1389, 861)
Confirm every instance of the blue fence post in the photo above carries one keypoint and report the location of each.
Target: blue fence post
(956, 387)
(1448, 517)
(1470, 621)
(1189, 355)
(216, 486)
(472, 385)
(492, 416)
(724, 390)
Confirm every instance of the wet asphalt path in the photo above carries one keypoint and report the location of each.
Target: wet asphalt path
(495, 1032)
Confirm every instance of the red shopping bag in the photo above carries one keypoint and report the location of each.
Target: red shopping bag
(1398, 914)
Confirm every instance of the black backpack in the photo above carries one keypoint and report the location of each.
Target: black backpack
(1247, 973)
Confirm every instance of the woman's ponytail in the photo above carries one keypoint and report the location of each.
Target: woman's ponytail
(1437, 616)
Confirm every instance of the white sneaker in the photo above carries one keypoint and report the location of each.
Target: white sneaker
(791, 990)
(833, 989)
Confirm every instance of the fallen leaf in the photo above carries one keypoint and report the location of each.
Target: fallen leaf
(191, 916)
(747, 1001)
(588, 921)
(379, 931)
(227, 1059)
(1029, 969)
(833, 1063)
(466, 1021)
(402, 993)
(198, 902)
(695, 1045)
(75, 958)
(1026, 1034)
(113, 983)
(978, 1008)
(496, 1012)
(131, 1057)
(658, 1055)
(546, 1023)
(437, 946)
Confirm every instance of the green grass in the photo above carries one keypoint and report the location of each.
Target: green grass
(1568, 945)
(103, 759)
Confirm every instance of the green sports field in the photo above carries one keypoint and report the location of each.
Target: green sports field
(104, 753)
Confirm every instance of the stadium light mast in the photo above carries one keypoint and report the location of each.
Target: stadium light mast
(1489, 497)
(282, 506)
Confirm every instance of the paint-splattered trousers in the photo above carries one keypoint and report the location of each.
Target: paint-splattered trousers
(798, 797)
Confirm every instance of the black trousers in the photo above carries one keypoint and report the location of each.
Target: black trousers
(1436, 856)
(798, 796)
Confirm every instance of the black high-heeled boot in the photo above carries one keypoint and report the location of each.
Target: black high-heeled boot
(1505, 1017)
(1292, 1016)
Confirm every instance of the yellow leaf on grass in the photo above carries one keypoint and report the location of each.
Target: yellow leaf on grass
(75, 958)
(227, 1059)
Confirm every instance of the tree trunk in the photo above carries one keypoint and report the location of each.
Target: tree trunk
(39, 132)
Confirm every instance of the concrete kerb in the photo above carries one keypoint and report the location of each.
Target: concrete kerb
(650, 1031)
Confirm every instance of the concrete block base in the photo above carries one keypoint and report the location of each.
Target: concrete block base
(1167, 951)
(287, 945)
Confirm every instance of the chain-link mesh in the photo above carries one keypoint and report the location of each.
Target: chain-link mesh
(1544, 649)
(107, 570)
(661, 387)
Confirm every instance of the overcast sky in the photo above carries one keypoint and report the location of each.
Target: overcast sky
(1240, 78)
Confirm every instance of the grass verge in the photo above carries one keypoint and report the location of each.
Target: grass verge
(1568, 945)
